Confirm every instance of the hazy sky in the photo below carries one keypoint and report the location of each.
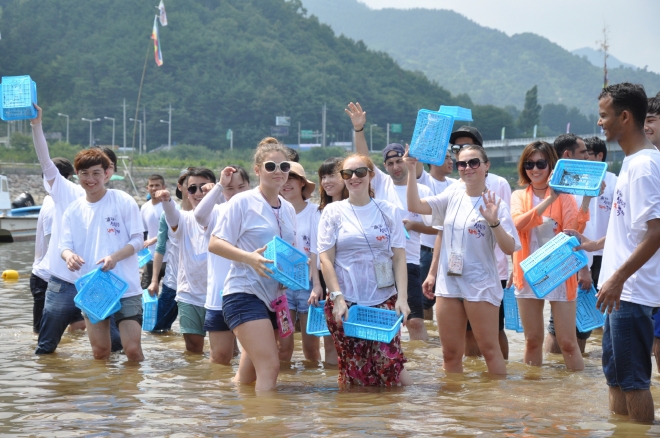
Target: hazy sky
(634, 25)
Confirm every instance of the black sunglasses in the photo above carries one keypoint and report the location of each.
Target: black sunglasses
(540, 164)
(474, 163)
(271, 166)
(360, 172)
(192, 189)
(456, 148)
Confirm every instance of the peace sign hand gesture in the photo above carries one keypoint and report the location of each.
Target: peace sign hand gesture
(491, 210)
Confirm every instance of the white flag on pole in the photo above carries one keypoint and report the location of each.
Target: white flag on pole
(163, 16)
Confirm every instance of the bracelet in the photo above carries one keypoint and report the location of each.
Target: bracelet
(496, 225)
(359, 130)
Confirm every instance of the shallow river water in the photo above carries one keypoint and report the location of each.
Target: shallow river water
(176, 394)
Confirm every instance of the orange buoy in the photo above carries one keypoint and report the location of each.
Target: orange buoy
(10, 274)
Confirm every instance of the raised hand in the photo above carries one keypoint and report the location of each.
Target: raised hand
(358, 117)
(162, 195)
(411, 162)
(37, 119)
(225, 176)
(491, 210)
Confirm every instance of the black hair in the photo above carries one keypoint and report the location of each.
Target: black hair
(293, 155)
(628, 97)
(596, 145)
(202, 172)
(242, 172)
(565, 142)
(64, 166)
(156, 177)
(111, 154)
(654, 105)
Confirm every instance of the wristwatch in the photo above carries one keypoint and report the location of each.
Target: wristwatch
(334, 295)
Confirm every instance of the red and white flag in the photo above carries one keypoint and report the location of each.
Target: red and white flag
(163, 15)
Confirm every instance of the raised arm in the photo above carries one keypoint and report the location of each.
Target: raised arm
(41, 148)
(415, 204)
(172, 215)
(358, 119)
(214, 197)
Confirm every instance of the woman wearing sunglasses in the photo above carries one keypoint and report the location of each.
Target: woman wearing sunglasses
(474, 220)
(252, 219)
(539, 214)
(362, 249)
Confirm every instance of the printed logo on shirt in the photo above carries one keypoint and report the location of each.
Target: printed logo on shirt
(113, 225)
(619, 205)
(605, 203)
(307, 244)
(385, 232)
(478, 230)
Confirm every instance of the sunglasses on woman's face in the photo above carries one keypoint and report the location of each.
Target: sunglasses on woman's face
(360, 172)
(474, 163)
(192, 189)
(272, 166)
(540, 164)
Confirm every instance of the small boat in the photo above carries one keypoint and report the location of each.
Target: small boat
(16, 224)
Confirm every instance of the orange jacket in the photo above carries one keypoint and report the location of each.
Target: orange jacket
(564, 211)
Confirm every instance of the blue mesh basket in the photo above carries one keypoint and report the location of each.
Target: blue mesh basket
(511, 314)
(372, 323)
(552, 264)
(149, 311)
(144, 257)
(316, 323)
(578, 177)
(587, 315)
(98, 294)
(289, 264)
(462, 114)
(17, 94)
(431, 137)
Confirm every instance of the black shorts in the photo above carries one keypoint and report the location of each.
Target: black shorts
(415, 295)
(501, 322)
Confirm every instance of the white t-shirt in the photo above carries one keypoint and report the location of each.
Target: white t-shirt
(467, 232)
(413, 245)
(94, 230)
(44, 229)
(436, 188)
(316, 218)
(380, 222)
(384, 187)
(599, 212)
(636, 201)
(218, 267)
(502, 189)
(64, 193)
(150, 219)
(193, 239)
(250, 223)
(306, 221)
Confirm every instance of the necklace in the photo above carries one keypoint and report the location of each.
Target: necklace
(275, 210)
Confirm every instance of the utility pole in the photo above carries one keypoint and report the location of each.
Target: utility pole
(323, 134)
(90, 128)
(231, 139)
(67, 125)
(169, 128)
(113, 129)
(371, 136)
(388, 135)
(144, 123)
(140, 143)
(604, 47)
(124, 106)
(299, 134)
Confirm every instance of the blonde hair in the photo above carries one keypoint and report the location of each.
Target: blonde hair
(267, 146)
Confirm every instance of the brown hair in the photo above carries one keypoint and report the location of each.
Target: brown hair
(474, 147)
(330, 166)
(91, 157)
(266, 146)
(548, 152)
(370, 164)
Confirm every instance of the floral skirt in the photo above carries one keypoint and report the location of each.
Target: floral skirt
(363, 362)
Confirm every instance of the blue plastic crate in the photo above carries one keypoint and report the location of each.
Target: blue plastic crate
(290, 264)
(553, 264)
(144, 257)
(316, 323)
(578, 177)
(372, 323)
(431, 137)
(98, 294)
(587, 315)
(511, 314)
(17, 94)
(459, 113)
(149, 311)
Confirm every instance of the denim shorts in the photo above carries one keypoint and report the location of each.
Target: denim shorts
(656, 323)
(240, 308)
(627, 345)
(215, 321)
(415, 295)
(298, 300)
(191, 319)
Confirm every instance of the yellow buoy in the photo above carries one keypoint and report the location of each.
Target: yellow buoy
(10, 274)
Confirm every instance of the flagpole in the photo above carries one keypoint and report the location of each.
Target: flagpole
(137, 107)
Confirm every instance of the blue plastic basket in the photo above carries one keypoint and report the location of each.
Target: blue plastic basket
(372, 323)
(98, 294)
(316, 323)
(511, 314)
(17, 94)
(578, 177)
(149, 311)
(553, 264)
(290, 264)
(587, 316)
(462, 114)
(144, 257)
(431, 137)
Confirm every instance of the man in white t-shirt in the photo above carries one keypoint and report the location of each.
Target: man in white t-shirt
(151, 212)
(629, 275)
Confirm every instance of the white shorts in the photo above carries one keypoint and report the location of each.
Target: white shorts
(489, 290)
(558, 294)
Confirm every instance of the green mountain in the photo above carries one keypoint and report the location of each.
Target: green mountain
(465, 57)
(228, 64)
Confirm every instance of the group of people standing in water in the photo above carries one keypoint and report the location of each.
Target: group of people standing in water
(406, 240)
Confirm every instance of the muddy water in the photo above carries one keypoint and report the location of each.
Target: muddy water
(173, 393)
